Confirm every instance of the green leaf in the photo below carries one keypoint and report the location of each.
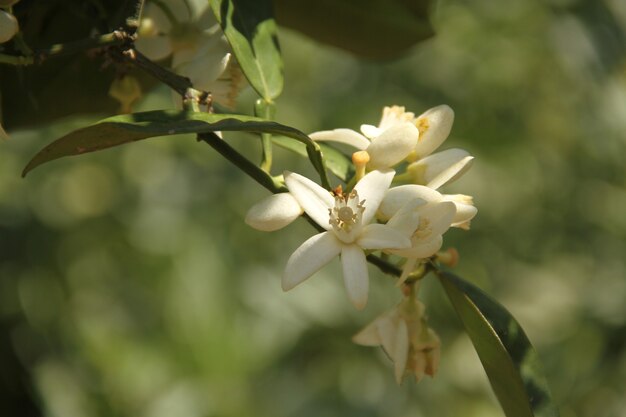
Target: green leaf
(510, 361)
(376, 29)
(118, 130)
(250, 29)
(338, 163)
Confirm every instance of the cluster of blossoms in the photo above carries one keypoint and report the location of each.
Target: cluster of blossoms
(400, 215)
(187, 32)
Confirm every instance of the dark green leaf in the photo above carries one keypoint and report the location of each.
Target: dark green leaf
(251, 31)
(338, 163)
(378, 29)
(119, 130)
(509, 359)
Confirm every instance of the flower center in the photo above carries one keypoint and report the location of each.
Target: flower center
(423, 230)
(347, 211)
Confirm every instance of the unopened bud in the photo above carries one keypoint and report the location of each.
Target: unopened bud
(450, 257)
(360, 160)
(8, 26)
(126, 90)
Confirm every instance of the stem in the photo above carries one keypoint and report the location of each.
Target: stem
(276, 186)
(266, 110)
(242, 162)
(62, 49)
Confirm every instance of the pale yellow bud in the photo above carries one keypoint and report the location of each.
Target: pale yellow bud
(8, 26)
(126, 90)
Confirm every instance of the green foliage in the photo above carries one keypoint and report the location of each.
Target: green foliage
(119, 130)
(508, 357)
(251, 31)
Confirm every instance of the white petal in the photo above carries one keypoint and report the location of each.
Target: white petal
(370, 131)
(347, 136)
(407, 219)
(205, 63)
(397, 197)
(401, 351)
(387, 327)
(437, 123)
(393, 115)
(313, 254)
(368, 336)
(392, 146)
(274, 212)
(439, 215)
(315, 200)
(355, 275)
(465, 211)
(380, 236)
(154, 47)
(372, 189)
(442, 167)
(422, 250)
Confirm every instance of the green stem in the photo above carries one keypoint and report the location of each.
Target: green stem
(266, 110)
(242, 162)
(62, 49)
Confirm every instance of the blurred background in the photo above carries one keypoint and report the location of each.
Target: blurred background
(130, 285)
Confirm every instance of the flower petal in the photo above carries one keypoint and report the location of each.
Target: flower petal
(465, 210)
(347, 136)
(434, 125)
(313, 254)
(392, 146)
(439, 215)
(370, 131)
(401, 351)
(393, 115)
(315, 200)
(397, 197)
(372, 189)
(441, 168)
(369, 335)
(380, 236)
(422, 249)
(355, 275)
(407, 219)
(387, 326)
(274, 212)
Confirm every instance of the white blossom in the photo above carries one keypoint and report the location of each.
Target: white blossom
(412, 346)
(346, 219)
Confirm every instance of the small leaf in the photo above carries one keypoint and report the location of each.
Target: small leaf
(376, 29)
(118, 130)
(250, 29)
(338, 163)
(510, 361)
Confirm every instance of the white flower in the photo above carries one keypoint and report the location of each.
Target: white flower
(387, 145)
(198, 48)
(433, 220)
(348, 233)
(435, 170)
(413, 347)
(397, 197)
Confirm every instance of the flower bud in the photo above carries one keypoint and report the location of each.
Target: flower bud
(126, 90)
(406, 338)
(8, 26)
(274, 212)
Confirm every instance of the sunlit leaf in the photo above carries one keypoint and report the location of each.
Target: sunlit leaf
(251, 31)
(119, 130)
(338, 163)
(378, 29)
(510, 361)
